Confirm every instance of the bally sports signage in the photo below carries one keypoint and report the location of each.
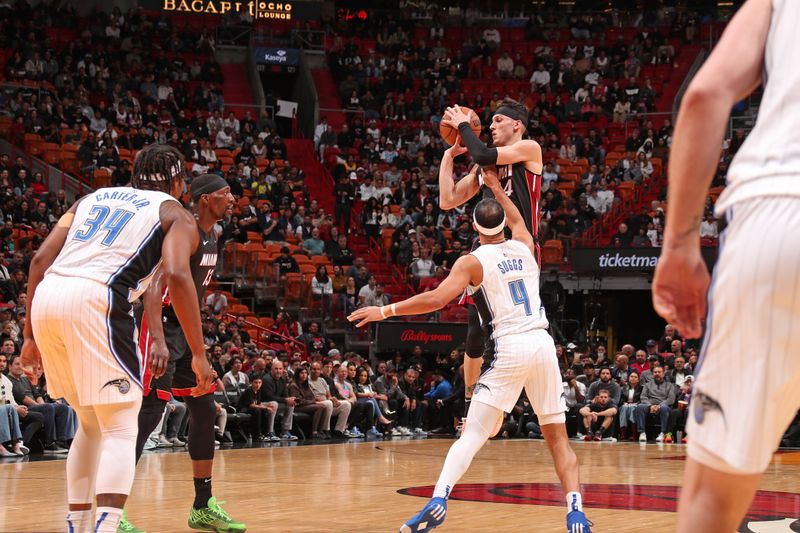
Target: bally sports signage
(432, 337)
(624, 260)
(276, 56)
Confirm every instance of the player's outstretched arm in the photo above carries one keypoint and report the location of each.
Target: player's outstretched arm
(732, 71)
(452, 194)
(42, 259)
(466, 270)
(514, 220)
(180, 242)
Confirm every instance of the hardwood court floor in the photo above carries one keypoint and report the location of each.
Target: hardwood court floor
(353, 487)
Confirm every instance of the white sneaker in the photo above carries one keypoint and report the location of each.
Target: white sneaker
(660, 437)
(150, 444)
(396, 432)
(420, 431)
(642, 437)
(579, 436)
(164, 442)
(610, 439)
(178, 443)
(405, 431)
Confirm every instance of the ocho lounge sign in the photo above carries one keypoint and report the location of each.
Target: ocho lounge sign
(258, 9)
(432, 337)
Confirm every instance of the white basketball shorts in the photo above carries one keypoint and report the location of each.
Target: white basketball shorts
(528, 361)
(747, 387)
(87, 337)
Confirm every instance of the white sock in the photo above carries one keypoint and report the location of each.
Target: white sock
(574, 501)
(107, 519)
(79, 520)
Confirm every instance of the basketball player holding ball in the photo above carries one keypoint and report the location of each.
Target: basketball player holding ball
(519, 169)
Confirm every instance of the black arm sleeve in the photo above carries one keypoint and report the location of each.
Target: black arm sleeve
(480, 153)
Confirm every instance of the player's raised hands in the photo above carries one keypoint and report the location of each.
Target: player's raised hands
(457, 149)
(453, 116)
(365, 315)
(490, 178)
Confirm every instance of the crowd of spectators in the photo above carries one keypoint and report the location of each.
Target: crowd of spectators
(127, 80)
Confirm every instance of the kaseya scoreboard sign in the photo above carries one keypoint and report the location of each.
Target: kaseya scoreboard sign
(258, 9)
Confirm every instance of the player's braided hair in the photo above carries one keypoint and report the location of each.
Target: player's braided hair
(156, 166)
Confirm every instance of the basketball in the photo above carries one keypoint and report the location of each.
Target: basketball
(450, 134)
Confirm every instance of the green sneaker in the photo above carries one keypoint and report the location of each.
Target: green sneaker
(127, 527)
(214, 518)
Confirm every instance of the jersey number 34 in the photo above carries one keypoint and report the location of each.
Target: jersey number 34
(101, 218)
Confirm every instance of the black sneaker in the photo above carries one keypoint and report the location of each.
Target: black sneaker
(54, 448)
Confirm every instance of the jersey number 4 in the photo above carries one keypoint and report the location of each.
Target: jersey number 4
(519, 295)
(101, 218)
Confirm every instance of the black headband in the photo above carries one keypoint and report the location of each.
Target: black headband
(511, 113)
(206, 184)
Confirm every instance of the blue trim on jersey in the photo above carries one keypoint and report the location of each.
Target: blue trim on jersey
(109, 329)
(135, 254)
(710, 296)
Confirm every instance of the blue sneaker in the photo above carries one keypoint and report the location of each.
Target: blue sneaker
(431, 516)
(578, 523)
(374, 432)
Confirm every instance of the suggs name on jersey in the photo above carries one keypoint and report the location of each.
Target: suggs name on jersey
(510, 265)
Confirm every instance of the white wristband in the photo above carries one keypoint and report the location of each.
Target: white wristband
(392, 311)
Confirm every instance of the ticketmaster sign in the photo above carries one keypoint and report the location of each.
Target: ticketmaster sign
(624, 260)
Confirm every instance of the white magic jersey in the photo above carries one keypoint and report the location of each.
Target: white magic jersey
(768, 163)
(115, 239)
(508, 297)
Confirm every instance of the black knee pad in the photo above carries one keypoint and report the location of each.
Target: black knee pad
(475, 344)
(202, 413)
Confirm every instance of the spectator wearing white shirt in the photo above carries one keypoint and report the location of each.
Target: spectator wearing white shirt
(540, 80)
(367, 189)
(505, 66)
(235, 377)
(387, 218)
(164, 90)
(214, 122)
(217, 302)
(231, 122)
(224, 138)
(381, 192)
(492, 37)
(423, 267)
(367, 291)
(320, 129)
(708, 228)
(596, 202)
(549, 174)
